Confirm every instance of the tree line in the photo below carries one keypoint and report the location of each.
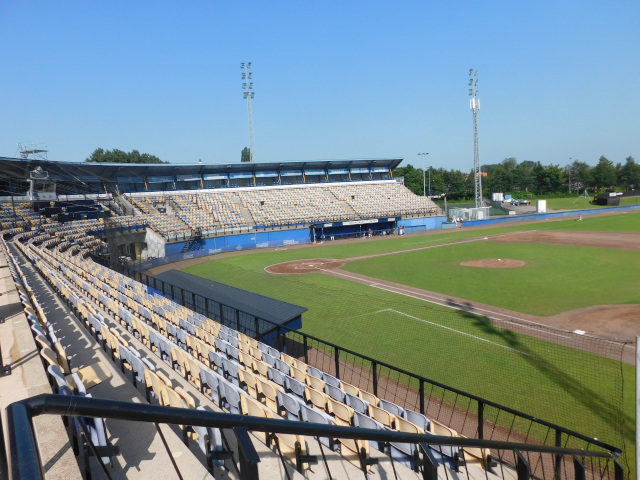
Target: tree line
(118, 156)
(527, 176)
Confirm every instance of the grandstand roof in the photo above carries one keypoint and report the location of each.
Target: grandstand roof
(275, 311)
(19, 169)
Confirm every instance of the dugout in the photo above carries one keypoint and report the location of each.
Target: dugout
(352, 229)
(253, 314)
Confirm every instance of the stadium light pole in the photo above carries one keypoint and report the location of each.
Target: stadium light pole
(570, 159)
(424, 180)
(474, 104)
(248, 95)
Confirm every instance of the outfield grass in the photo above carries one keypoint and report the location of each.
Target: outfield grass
(581, 203)
(459, 349)
(555, 279)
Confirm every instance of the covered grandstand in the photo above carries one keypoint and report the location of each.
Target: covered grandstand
(190, 210)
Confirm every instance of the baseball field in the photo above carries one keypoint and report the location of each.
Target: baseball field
(444, 305)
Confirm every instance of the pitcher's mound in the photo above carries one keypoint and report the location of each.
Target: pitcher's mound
(305, 266)
(494, 263)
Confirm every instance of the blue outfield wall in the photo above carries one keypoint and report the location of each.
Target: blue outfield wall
(545, 216)
(212, 246)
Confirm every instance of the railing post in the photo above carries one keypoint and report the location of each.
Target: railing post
(619, 471)
(421, 393)
(336, 352)
(4, 369)
(374, 371)
(248, 457)
(578, 468)
(23, 450)
(480, 419)
(306, 353)
(4, 468)
(429, 463)
(279, 339)
(557, 472)
(522, 466)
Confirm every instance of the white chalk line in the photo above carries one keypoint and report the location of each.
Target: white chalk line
(438, 301)
(452, 330)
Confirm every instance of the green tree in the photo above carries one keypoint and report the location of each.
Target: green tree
(457, 185)
(629, 174)
(245, 155)
(118, 156)
(580, 175)
(604, 174)
(412, 178)
(547, 179)
(523, 175)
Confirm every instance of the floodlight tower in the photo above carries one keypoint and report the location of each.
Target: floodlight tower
(474, 104)
(247, 85)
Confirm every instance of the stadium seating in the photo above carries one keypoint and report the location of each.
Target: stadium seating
(238, 374)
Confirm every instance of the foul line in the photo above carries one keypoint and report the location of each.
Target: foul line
(425, 297)
(451, 329)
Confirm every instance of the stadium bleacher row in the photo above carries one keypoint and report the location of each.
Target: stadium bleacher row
(212, 211)
(237, 373)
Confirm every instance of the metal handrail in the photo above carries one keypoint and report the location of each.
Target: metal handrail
(25, 463)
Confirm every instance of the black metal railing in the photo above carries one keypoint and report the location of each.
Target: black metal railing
(25, 463)
(466, 413)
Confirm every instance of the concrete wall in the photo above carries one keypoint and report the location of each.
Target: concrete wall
(155, 245)
(216, 245)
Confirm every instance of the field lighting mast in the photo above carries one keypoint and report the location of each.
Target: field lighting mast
(474, 104)
(247, 85)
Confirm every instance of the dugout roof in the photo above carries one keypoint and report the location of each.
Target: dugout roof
(275, 311)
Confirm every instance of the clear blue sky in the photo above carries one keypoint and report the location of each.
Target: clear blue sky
(332, 79)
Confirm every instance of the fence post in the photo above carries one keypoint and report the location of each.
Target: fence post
(336, 352)
(421, 393)
(480, 419)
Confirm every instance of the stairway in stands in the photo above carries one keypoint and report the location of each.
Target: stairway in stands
(244, 211)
